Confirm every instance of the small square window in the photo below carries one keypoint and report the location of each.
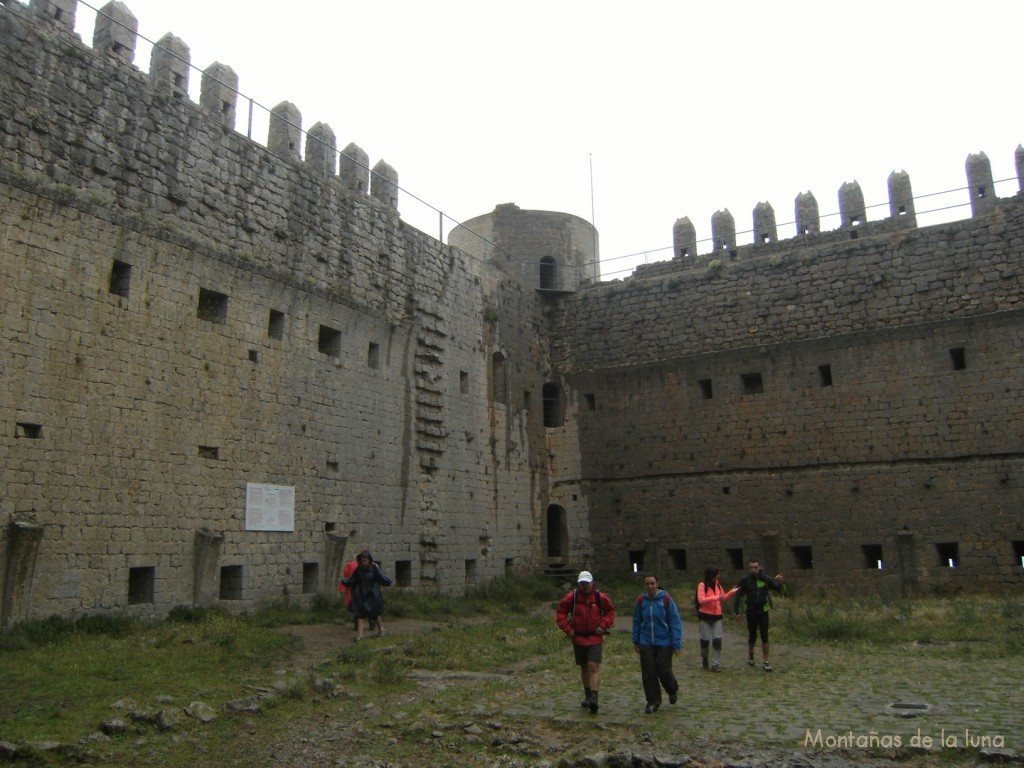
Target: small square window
(678, 558)
(209, 452)
(231, 582)
(802, 557)
(636, 561)
(329, 341)
(752, 384)
(735, 557)
(1018, 553)
(825, 375)
(872, 556)
(25, 429)
(120, 279)
(958, 356)
(403, 573)
(949, 554)
(590, 401)
(706, 392)
(275, 325)
(213, 306)
(141, 583)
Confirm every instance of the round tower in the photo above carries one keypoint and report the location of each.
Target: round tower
(550, 251)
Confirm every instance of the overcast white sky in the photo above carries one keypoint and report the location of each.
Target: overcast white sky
(680, 108)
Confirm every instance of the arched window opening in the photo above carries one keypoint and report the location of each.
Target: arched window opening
(558, 532)
(548, 274)
(552, 395)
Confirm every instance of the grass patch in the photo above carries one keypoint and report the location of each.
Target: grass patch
(841, 619)
(61, 680)
(487, 659)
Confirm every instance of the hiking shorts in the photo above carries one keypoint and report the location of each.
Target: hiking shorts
(587, 653)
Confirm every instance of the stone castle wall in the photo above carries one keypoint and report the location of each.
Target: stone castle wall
(186, 312)
(820, 403)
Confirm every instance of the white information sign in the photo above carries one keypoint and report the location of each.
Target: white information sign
(269, 507)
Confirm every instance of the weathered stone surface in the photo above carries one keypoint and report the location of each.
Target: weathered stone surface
(188, 312)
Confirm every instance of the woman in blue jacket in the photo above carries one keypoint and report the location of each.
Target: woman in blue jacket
(657, 637)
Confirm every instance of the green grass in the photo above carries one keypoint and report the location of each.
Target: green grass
(842, 619)
(60, 678)
(488, 658)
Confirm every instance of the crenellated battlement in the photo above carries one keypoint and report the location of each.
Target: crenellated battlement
(188, 312)
(116, 35)
(853, 219)
(107, 133)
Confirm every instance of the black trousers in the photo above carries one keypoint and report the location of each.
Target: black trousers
(656, 672)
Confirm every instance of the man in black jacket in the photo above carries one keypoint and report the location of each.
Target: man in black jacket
(753, 589)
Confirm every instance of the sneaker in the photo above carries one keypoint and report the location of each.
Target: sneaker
(593, 703)
(673, 697)
(767, 667)
(750, 661)
(650, 709)
(380, 631)
(358, 638)
(716, 668)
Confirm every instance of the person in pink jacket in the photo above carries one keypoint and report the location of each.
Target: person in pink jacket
(710, 596)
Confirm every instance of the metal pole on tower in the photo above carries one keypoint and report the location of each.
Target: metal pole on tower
(593, 223)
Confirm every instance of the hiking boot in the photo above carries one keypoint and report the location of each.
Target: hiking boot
(716, 668)
(650, 709)
(380, 631)
(593, 702)
(704, 662)
(767, 667)
(587, 693)
(673, 697)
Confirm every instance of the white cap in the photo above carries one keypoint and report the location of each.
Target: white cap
(586, 576)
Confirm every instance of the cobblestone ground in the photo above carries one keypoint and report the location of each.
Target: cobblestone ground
(819, 698)
(833, 706)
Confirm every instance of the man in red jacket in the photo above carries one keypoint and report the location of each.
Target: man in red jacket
(586, 615)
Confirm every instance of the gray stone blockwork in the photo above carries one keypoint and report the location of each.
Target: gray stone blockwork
(832, 393)
(186, 311)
